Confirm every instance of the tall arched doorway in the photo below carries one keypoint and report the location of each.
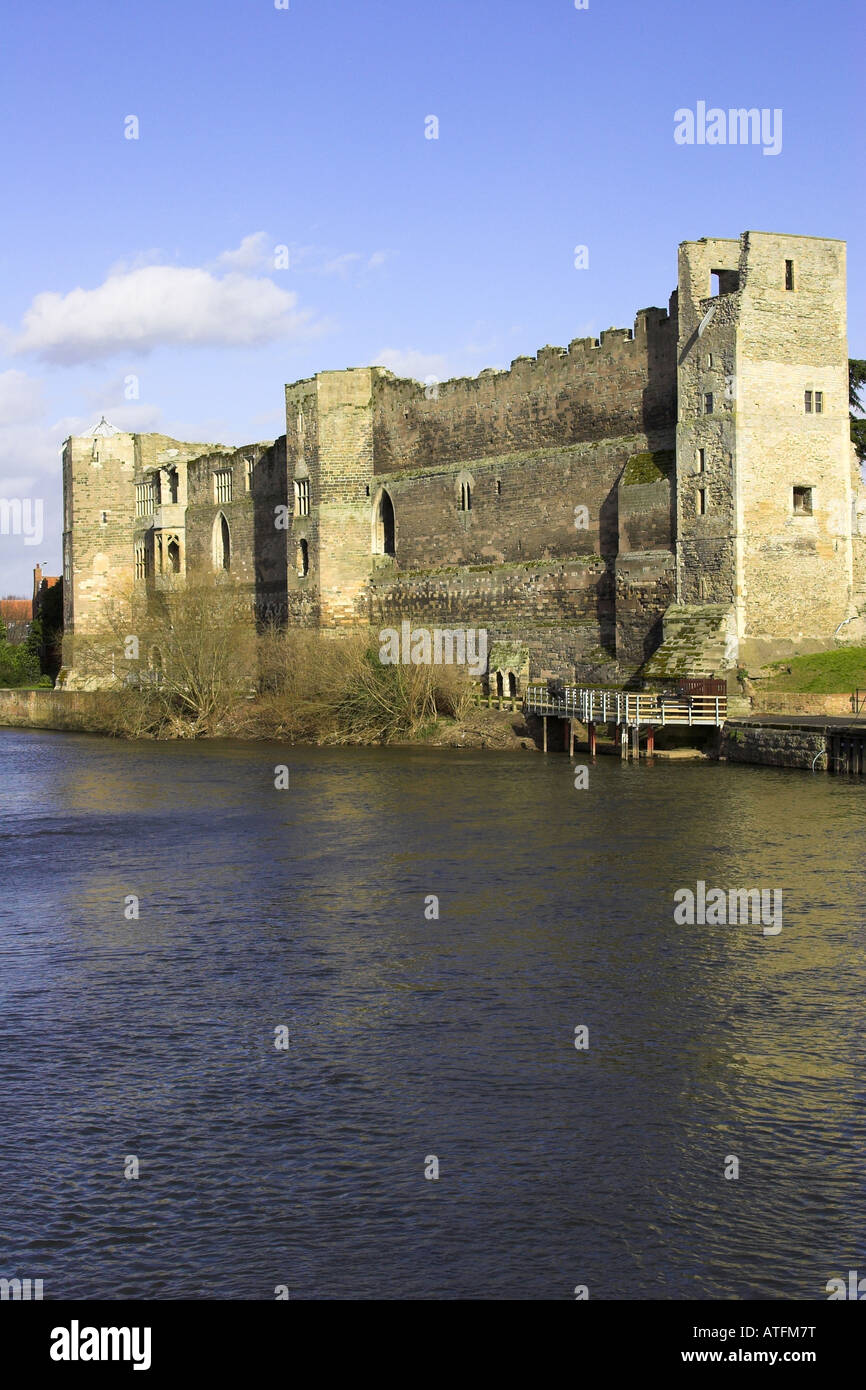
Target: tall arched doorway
(383, 525)
(222, 544)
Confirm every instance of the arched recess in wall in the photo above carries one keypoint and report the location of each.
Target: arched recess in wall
(222, 544)
(384, 524)
(465, 486)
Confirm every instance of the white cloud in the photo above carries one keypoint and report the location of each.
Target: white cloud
(155, 306)
(412, 363)
(21, 398)
(254, 253)
(341, 265)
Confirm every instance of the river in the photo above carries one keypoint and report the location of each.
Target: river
(417, 1041)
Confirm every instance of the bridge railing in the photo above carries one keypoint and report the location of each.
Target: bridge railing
(626, 706)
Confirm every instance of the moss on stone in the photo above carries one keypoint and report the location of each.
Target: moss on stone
(649, 467)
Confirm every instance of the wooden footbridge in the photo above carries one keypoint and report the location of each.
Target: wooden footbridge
(696, 702)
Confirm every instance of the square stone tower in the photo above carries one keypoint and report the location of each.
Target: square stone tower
(329, 453)
(763, 451)
(98, 521)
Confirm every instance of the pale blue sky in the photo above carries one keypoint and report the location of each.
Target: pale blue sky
(262, 127)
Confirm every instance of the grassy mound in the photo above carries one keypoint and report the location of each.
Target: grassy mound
(823, 673)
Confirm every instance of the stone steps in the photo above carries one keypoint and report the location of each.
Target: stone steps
(694, 643)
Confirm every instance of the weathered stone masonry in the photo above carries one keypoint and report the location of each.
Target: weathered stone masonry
(701, 458)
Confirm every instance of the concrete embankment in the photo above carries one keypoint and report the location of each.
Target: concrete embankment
(827, 743)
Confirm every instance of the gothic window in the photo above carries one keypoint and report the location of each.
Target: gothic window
(222, 548)
(384, 527)
(465, 484)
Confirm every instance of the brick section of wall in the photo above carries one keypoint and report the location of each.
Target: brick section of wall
(523, 506)
(645, 585)
(563, 612)
(624, 384)
(644, 516)
(793, 702)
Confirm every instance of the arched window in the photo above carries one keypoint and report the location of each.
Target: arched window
(465, 484)
(303, 558)
(383, 525)
(512, 683)
(499, 684)
(174, 555)
(222, 544)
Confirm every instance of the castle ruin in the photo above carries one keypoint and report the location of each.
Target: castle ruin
(577, 506)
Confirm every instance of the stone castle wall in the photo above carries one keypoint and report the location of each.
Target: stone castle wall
(564, 503)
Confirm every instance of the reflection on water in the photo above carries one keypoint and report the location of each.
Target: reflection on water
(411, 1037)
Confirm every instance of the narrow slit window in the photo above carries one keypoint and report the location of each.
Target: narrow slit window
(701, 460)
(702, 501)
(789, 275)
(708, 403)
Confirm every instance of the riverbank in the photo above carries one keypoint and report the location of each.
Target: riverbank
(100, 712)
(805, 741)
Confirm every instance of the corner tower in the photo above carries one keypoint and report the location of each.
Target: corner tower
(98, 520)
(763, 450)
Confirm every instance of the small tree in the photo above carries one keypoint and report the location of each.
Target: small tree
(856, 383)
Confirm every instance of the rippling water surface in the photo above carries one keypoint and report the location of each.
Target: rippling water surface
(412, 1037)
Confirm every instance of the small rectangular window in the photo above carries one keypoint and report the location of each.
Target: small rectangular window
(702, 501)
(819, 402)
(802, 501)
(498, 487)
(808, 402)
(708, 403)
(709, 359)
(104, 519)
(789, 275)
(701, 460)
